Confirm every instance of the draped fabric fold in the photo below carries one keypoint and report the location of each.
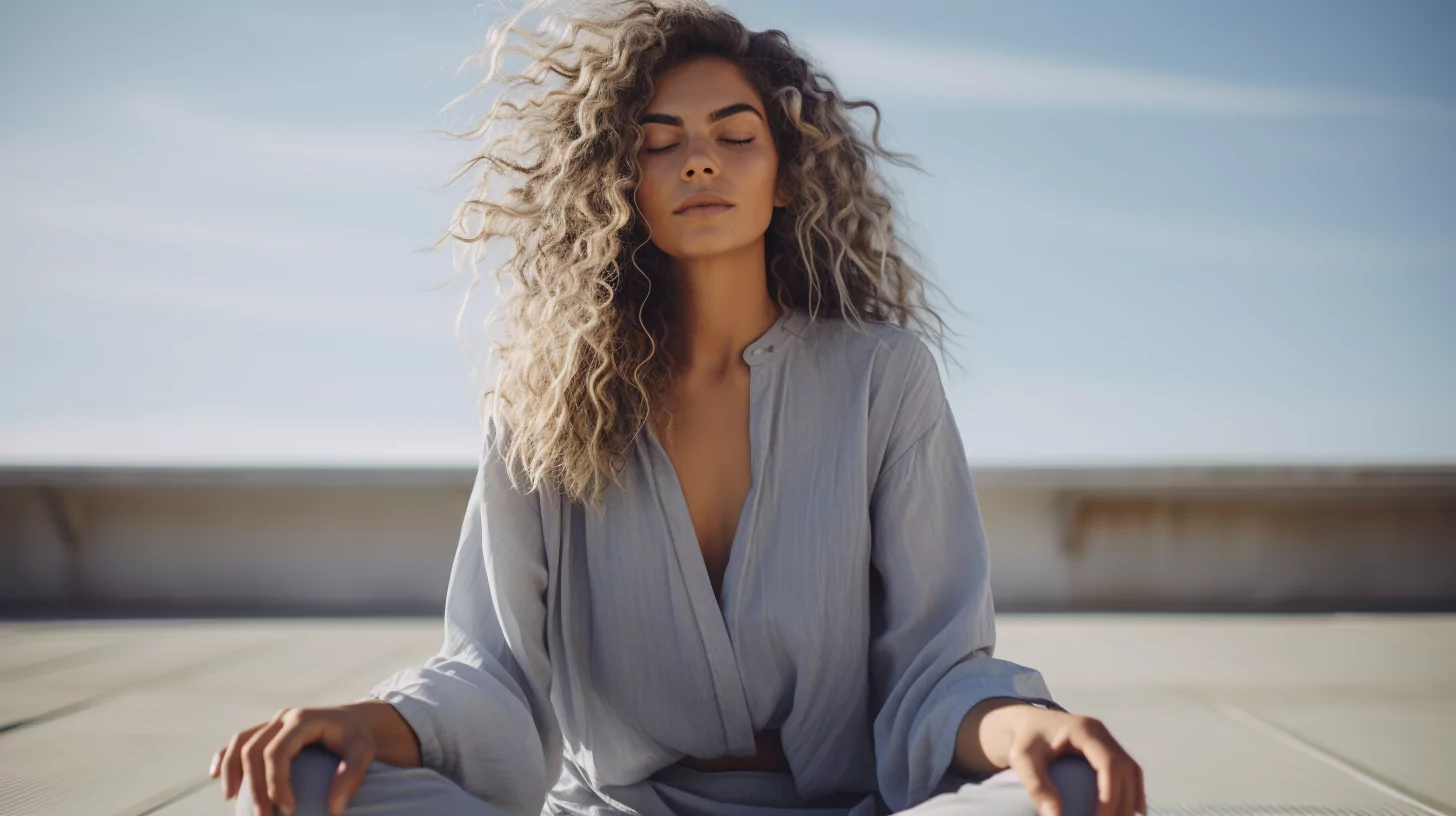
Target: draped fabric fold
(585, 654)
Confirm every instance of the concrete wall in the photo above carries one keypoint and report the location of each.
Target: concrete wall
(352, 542)
(1300, 542)
(381, 541)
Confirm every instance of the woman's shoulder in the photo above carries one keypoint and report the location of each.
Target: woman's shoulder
(893, 367)
(893, 357)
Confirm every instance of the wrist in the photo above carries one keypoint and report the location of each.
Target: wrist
(395, 741)
(983, 741)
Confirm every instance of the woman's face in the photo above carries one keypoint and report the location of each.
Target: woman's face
(706, 133)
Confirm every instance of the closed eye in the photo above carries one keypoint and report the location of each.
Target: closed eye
(666, 148)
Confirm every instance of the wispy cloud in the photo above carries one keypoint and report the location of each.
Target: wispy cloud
(367, 150)
(1252, 245)
(429, 314)
(1243, 242)
(151, 281)
(210, 438)
(1067, 422)
(872, 65)
(42, 211)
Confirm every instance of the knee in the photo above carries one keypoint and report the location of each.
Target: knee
(1076, 782)
(310, 775)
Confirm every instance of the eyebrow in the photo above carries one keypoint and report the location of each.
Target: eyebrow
(721, 113)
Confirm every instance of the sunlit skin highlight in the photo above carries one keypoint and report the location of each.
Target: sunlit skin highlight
(705, 131)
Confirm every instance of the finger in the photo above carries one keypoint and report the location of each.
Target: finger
(216, 765)
(1142, 792)
(232, 762)
(1127, 788)
(349, 776)
(280, 753)
(253, 764)
(1030, 766)
(278, 757)
(1100, 759)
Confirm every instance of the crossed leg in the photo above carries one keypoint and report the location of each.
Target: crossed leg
(387, 789)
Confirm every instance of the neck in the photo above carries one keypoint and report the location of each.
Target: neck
(724, 305)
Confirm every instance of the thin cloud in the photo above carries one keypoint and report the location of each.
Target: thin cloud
(44, 211)
(343, 312)
(1116, 423)
(871, 65)
(207, 438)
(1274, 246)
(365, 150)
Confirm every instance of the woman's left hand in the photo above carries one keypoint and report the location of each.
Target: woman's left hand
(1038, 735)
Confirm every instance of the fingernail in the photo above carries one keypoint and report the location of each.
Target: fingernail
(1045, 809)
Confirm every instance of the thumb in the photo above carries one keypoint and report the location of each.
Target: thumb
(348, 776)
(1031, 767)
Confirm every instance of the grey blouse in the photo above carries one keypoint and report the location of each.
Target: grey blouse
(583, 654)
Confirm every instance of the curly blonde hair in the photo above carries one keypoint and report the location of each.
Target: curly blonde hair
(587, 356)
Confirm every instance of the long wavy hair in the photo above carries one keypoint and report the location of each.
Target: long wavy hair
(587, 353)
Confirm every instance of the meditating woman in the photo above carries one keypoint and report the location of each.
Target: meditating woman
(723, 555)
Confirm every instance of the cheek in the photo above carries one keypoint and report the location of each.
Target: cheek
(652, 192)
(761, 173)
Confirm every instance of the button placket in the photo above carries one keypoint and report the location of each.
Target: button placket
(763, 348)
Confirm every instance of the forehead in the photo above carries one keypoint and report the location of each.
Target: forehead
(693, 89)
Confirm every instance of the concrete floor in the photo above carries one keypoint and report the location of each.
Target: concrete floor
(1238, 714)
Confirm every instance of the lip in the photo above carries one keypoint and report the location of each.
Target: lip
(703, 204)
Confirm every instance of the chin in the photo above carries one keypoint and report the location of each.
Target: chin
(706, 246)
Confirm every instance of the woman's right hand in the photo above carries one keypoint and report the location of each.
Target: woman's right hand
(262, 755)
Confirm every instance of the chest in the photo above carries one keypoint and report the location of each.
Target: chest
(710, 450)
(789, 609)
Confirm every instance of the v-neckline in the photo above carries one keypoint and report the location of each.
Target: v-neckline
(713, 613)
(723, 600)
(685, 517)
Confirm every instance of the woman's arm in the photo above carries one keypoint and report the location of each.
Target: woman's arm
(479, 710)
(983, 740)
(934, 628)
(395, 742)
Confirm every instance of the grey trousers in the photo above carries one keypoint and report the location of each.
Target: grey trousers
(389, 790)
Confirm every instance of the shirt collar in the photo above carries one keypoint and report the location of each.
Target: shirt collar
(776, 339)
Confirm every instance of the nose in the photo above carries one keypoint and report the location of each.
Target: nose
(692, 170)
(699, 162)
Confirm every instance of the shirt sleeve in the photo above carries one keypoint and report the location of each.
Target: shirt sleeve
(934, 629)
(481, 705)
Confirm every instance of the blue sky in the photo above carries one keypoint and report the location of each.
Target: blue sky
(1174, 233)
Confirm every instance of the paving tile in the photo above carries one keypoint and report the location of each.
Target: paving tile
(1305, 651)
(144, 746)
(156, 655)
(1192, 755)
(1409, 742)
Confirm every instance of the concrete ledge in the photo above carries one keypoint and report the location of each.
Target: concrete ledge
(379, 540)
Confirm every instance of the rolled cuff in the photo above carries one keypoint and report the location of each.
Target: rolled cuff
(418, 711)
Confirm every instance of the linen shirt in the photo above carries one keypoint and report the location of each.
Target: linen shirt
(584, 654)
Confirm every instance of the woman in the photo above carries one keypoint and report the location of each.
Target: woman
(723, 554)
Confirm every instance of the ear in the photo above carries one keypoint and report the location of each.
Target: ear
(783, 196)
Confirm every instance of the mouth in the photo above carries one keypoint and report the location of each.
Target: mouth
(705, 210)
